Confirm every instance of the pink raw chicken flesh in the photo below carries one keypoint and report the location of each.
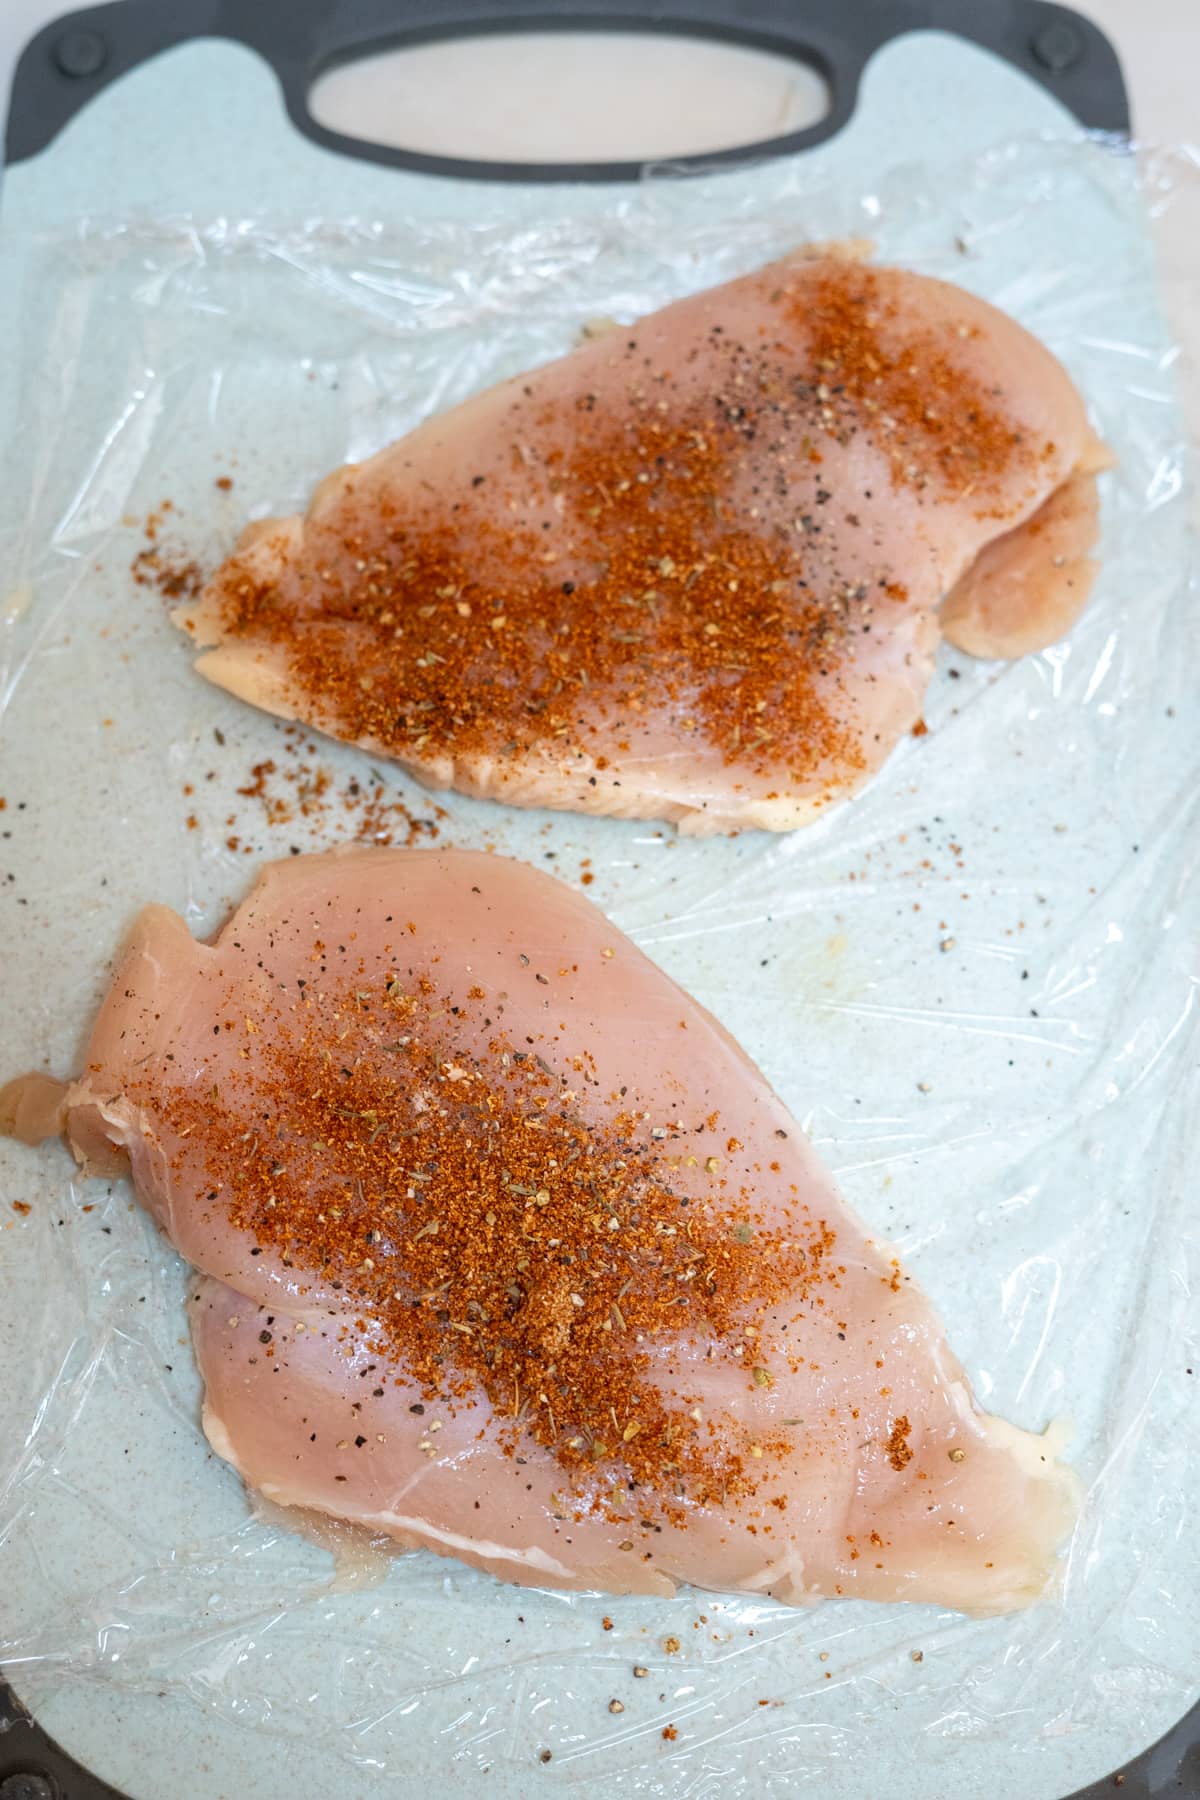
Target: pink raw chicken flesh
(508, 1251)
(690, 571)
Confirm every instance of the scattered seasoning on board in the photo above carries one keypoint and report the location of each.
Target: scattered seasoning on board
(666, 544)
(175, 579)
(300, 787)
(175, 576)
(153, 522)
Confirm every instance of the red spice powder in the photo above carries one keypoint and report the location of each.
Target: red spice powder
(453, 633)
(668, 547)
(499, 1241)
(175, 580)
(302, 787)
(174, 575)
(897, 1449)
(903, 385)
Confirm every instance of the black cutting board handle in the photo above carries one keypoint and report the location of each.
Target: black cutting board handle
(74, 58)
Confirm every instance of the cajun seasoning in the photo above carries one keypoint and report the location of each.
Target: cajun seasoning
(498, 1244)
(665, 545)
(301, 788)
(898, 1450)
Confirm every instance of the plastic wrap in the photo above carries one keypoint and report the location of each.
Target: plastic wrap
(975, 985)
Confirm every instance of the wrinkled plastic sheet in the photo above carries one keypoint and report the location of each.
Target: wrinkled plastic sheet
(975, 985)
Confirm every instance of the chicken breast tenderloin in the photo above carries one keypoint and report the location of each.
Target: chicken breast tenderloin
(507, 1250)
(690, 571)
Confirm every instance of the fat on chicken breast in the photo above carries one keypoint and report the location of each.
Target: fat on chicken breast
(690, 571)
(508, 1251)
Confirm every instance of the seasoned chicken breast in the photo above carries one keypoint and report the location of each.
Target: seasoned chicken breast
(507, 1250)
(690, 571)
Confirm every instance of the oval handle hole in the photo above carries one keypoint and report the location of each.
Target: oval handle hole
(570, 96)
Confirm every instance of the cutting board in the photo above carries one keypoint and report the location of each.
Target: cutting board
(205, 286)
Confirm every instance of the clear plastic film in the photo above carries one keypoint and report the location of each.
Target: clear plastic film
(975, 985)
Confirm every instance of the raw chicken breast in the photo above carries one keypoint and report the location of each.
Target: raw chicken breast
(1025, 589)
(689, 572)
(507, 1250)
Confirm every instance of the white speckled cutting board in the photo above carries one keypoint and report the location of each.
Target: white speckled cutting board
(194, 291)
